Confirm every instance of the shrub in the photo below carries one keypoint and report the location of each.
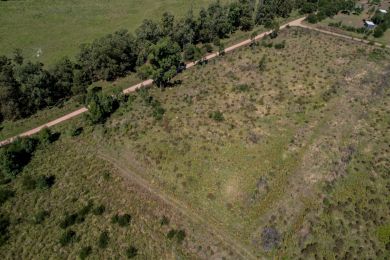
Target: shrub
(74, 131)
(40, 217)
(180, 236)
(262, 63)
(85, 252)
(122, 221)
(217, 116)
(312, 18)
(28, 182)
(164, 221)
(45, 182)
(103, 240)
(69, 236)
(241, 88)
(5, 194)
(68, 221)
(280, 45)
(16, 155)
(270, 238)
(4, 225)
(100, 106)
(171, 234)
(45, 136)
(99, 210)
(131, 252)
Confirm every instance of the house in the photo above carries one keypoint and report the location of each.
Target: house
(383, 11)
(369, 24)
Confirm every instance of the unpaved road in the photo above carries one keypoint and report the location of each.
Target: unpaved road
(140, 85)
(297, 23)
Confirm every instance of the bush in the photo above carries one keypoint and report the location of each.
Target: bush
(241, 88)
(270, 238)
(28, 182)
(68, 221)
(45, 182)
(5, 194)
(122, 221)
(4, 225)
(85, 252)
(40, 217)
(100, 106)
(131, 252)
(178, 234)
(16, 155)
(164, 221)
(74, 131)
(45, 136)
(99, 210)
(312, 18)
(69, 236)
(217, 116)
(262, 63)
(103, 240)
(280, 45)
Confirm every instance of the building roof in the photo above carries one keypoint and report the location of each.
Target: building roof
(383, 11)
(370, 23)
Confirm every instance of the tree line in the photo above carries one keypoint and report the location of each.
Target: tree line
(154, 51)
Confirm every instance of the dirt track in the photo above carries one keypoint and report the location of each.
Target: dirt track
(296, 23)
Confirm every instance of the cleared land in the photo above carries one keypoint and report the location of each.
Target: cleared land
(53, 29)
(273, 150)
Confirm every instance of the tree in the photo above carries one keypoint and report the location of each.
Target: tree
(167, 24)
(10, 93)
(16, 155)
(186, 30)
(148, 31)
(100, 106)
(108, 57)
(63, 73)
(36, 85)
(165, 59)
(191, 52)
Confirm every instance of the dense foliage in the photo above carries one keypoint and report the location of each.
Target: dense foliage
(26, 87)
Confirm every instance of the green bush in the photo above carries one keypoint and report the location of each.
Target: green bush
(68, 237)
(16, 155)
(4, 231)
(5, 194)
(103, 240)
(178, 234)
(241, 88)
(217, 116)
(131, 252)
(280, 45)
(40, 217)
(85, 252)
(28, 182)
(99, 210)
(45, 182)
(122, 220)
(164, 221)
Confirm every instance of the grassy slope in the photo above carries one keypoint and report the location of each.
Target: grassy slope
(281, 150)
(58, 27)
(242, 185)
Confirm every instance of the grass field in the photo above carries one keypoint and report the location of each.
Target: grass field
(277, 151)
(56, 28)
(285, 134)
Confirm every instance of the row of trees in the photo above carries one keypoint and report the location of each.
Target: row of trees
(154, 51)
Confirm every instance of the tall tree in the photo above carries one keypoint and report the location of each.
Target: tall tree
(165, 59)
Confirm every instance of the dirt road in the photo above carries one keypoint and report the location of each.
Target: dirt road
(297, 23)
